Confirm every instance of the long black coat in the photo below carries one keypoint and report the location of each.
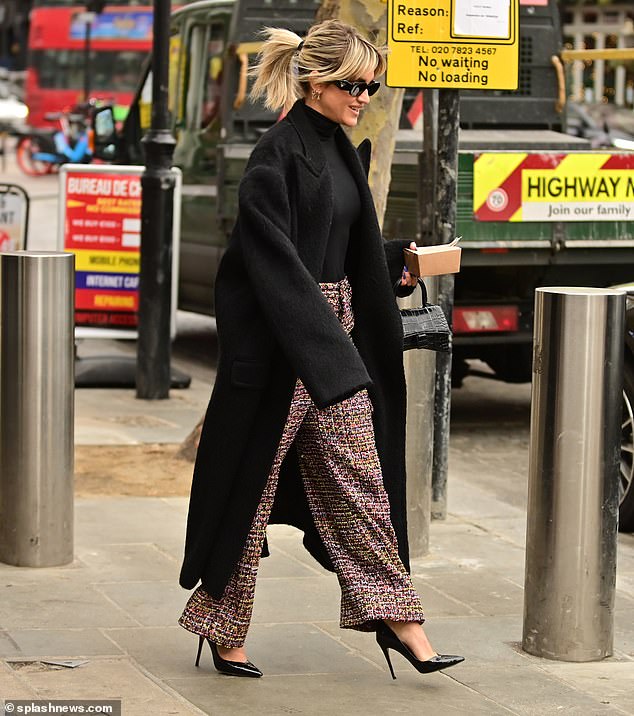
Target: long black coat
(274, 325)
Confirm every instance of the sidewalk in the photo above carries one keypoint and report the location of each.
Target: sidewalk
(116, 606)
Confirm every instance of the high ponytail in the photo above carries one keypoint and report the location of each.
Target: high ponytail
(275, 79)
(331, 50)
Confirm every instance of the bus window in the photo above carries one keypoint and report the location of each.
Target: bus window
(121, 38)
(64, 69)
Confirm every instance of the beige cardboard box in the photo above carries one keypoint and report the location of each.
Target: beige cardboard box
(433, 260)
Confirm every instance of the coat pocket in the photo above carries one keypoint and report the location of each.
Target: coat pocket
(249, 374)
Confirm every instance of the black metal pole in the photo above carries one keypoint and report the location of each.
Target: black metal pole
(445, 230)
(157, 185)
(87, 68)
(427, 168)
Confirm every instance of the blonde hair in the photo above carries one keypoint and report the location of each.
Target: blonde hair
(331, 50)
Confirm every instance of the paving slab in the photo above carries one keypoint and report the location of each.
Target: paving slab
(481, 640)
(59, 643)
(304, 649)
(288, 541)
(152, 603)
(486, 593)
(528, 690)
(440, 604)
(8, 645)
(67, 573)
(126, 562)
(120, 421)
(512, 529)
(166, 651)
(363, 643)
(313, 599)
(610, 682)
(114, 678)
(469, 546)
(125, 520)
(349, 694)
(474, 502)
(279, 565)
(59, 605)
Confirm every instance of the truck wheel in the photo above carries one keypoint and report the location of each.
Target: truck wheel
(626, 483)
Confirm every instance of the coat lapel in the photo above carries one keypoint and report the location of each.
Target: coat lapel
(313, 152)
(364, 150)
(315, 192)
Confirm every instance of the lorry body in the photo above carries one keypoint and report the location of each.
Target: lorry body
(503, 261)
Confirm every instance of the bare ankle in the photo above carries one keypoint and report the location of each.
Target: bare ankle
(234, 653)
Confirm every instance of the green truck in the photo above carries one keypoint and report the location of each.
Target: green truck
(536, 206)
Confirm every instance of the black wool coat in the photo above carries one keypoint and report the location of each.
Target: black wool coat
(274, 325)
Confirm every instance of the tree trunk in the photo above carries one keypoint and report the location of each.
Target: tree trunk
(379, 121)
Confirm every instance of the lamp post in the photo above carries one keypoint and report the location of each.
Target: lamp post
(157, 205)
(93, 8)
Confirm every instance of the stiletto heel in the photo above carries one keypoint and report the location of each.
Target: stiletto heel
(230, 668)
(201, 639)
(387, 639)
(386, 654)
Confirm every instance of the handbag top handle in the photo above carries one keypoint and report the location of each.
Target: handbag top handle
(423, 289)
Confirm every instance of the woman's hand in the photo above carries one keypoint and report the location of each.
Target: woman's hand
(408, 279)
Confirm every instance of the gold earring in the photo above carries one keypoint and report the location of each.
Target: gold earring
(316, 95)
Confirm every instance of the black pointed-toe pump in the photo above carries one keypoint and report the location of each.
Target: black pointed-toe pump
(387, 639)
(231, 668)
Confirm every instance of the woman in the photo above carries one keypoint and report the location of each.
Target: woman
(306, 423)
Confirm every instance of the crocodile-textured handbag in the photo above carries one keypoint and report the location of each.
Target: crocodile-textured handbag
(425, 327)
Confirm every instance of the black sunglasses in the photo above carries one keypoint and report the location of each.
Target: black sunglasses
(354, 89)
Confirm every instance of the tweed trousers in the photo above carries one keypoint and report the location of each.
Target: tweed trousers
(344, 487)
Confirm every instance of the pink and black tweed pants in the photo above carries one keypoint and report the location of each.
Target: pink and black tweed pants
(344, 487)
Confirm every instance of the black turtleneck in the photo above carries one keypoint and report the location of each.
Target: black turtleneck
(346, 201)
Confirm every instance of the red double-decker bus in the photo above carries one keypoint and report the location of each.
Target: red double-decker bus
(120, 40)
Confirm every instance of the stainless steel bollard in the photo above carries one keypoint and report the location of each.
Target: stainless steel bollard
(36, 408)
(571, 535)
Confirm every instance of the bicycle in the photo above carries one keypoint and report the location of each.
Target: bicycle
(43, 151)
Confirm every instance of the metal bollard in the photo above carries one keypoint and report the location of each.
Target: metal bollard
(36, 408)
(571, 535)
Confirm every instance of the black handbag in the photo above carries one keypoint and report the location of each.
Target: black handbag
(425, 327)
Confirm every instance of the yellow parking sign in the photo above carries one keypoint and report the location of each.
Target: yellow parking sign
(453, 44)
